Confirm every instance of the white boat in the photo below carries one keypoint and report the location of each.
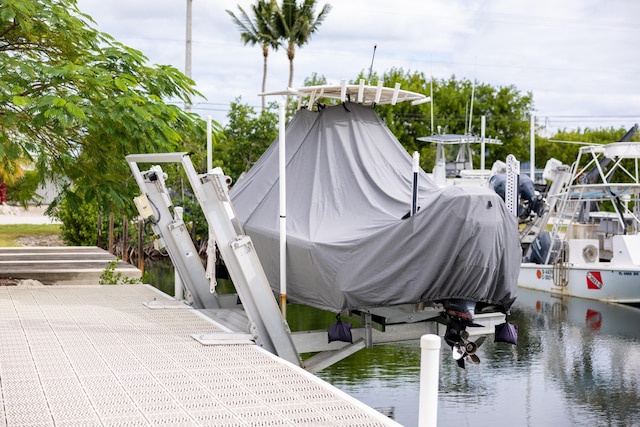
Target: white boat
(593, 248)
(458, 170)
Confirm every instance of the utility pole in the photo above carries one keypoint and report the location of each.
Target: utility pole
(187, 65)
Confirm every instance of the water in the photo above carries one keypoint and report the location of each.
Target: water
(577, 363)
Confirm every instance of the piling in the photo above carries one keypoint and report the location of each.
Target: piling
(429, 377)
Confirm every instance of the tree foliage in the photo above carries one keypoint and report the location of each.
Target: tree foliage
(564, 145)
(259, 30)
(296, 23)
(247, 135)
(76, 101)
(289, 24)
(506, 110)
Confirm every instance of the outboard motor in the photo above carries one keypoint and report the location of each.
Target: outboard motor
(460, 314)
(539, 249)
(527, 191)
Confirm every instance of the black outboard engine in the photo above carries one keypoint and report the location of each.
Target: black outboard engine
(539, 249)
(526, 190)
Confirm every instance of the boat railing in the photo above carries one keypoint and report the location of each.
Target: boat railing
(593, 180)
(565, 212)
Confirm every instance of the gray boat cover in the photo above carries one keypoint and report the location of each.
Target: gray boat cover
(349, 184)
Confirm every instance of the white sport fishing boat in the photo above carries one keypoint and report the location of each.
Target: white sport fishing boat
(593, 248)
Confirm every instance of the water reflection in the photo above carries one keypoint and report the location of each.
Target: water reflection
(577, 362)
(161, 275)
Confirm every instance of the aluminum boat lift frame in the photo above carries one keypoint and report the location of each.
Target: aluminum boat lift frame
(266, 325)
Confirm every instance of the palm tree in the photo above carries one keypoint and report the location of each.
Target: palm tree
(259, 31)
(296, 23)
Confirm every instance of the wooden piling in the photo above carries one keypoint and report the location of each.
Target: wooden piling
(125, 239)
(111, 224)
(141, 245)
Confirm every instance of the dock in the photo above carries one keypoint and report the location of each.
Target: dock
(60, 265)
(107, 355)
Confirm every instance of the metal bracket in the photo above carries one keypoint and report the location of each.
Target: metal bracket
(223, 338)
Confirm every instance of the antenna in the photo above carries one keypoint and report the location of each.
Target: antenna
(473, 91)
(371, 66)
(466, 116)
(431, 84)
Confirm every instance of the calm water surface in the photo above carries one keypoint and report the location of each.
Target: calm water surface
(577, 363)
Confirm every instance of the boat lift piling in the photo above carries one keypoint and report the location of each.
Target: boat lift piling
(429, 375)
(511, 190)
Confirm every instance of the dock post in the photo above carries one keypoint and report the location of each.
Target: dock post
(141, 245)
(125, 239)
(111, 227)
(99, 242)
(429, 376)
(178, 286)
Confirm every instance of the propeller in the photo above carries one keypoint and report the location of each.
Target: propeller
(459, 314)
(466, 350)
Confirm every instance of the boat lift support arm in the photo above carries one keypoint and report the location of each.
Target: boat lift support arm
(266, 324)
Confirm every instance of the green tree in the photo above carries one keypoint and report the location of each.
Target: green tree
(315, 80)
(259, 31)
(506, 110)
(295, 23)
(564, 145)
(76, 102)
(247, 136)
(407, 122)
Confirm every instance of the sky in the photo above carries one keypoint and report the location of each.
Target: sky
(579, 58)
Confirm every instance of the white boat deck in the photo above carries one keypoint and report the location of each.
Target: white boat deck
(97, 356)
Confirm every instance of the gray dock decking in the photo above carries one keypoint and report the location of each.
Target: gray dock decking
(97, 356)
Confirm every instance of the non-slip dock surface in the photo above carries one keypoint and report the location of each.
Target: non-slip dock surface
(96, 356)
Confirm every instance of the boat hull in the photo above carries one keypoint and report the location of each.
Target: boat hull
(597, 281)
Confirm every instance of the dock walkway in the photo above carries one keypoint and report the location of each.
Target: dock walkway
(98, 356)
(60, 265)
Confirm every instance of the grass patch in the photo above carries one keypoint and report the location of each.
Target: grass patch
(10, 233)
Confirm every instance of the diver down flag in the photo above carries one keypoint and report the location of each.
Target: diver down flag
(594, 280)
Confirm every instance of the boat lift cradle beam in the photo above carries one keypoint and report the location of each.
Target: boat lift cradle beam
(266, 324)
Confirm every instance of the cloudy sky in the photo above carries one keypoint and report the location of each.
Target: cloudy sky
(579, 58)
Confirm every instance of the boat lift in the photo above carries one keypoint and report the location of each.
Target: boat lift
(266, 326)
(258, 319)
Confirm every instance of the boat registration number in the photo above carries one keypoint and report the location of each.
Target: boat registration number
(544, 274)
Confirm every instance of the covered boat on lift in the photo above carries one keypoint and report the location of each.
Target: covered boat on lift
(351, 241)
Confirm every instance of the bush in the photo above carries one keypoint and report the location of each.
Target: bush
(79, 221)
(112, 277)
